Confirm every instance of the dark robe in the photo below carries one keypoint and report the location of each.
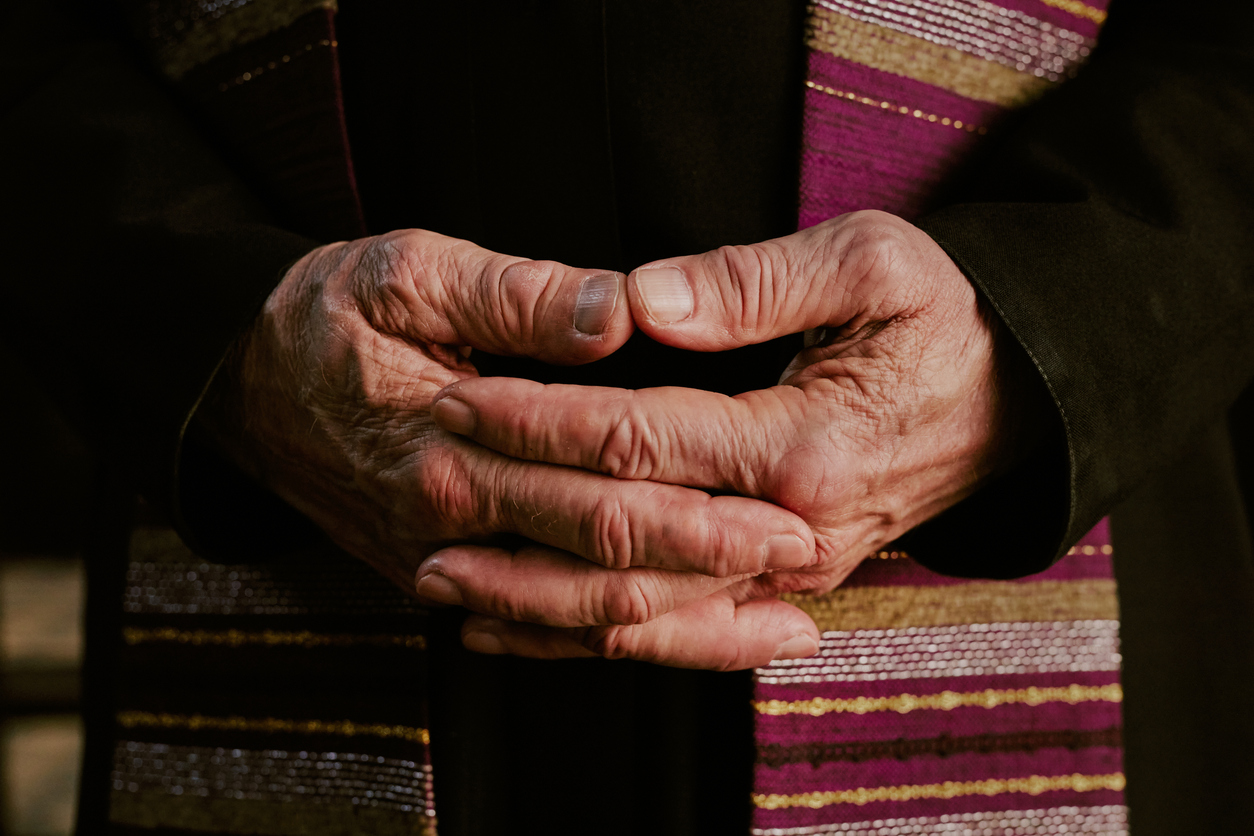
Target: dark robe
(1115, 214)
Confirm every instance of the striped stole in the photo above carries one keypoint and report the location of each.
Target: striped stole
(939, 705)
(935, 705)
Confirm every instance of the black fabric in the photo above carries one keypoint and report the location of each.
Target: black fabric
(588, 134)
(585, 133)
(1186, 589)
(133, 255)
(1109, 226)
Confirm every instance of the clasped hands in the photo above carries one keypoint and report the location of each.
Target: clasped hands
(354, 397)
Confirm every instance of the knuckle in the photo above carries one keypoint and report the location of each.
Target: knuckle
(446, 493)
(524, 282)
(717, 544)
(625, 602)
(499, 604)
(385, 277)
(524, 292)
(611, 534)
(734, 659)
(616, 642)
(632, 448)
(882, 249)
(758, 284)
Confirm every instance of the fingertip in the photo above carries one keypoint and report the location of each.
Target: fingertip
(663, 294)
(800, 646)
(438, 587)
(494, 637)
(787, 551)
(559, 314)
(677, 302)
(596, 303)
(601, 319)
(481, 634)
(488, 644)
(773, 630)
(453, 414)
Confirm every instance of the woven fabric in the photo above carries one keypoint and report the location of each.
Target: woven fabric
(263, 77)
(898, 93)
(240, 704)
(935, 705)
(940, 705)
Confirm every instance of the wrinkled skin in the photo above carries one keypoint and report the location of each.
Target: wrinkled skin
(896, 410)
(327, 401)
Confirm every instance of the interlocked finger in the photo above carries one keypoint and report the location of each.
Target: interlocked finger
(714, 633)
(545, 586)
(673, 435)
(620, 523)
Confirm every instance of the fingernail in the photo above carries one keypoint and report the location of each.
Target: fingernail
(665, 293)
(439, 588)
(480, 642)
(454, 415)
(798, 647)
(597, 297)
(786, 551)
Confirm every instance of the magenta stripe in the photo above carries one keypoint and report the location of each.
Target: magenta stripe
(789, 729)
(856, 156)
(1098, 536)
(1057, 17)
(792, 730)
(932, 769)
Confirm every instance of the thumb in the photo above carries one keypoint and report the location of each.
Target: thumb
(453, 292)
(741, 295)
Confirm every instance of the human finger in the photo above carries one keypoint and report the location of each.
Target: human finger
(620, 523)
(432, 288)
(715, 633)
(675, 435)
(827, 275)
(542, 585)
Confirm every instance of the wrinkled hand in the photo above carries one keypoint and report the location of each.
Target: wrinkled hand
(894, 412)
(328, 404)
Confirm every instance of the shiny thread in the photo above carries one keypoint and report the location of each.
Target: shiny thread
(944, 701)
(1032, 785)
(271, 725)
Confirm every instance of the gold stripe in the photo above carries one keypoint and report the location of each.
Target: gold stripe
(894, 108)
(277, 63)
(1032, 785)
(944, 701)
(1075, 7)
(1091, 550)
(906, 55)
(270, 725)
(269, 638)
(207, 39)
(985, 602)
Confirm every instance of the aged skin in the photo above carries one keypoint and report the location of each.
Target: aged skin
(896, 410)
(327, 402)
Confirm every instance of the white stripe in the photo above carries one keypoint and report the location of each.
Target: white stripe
(272, 775)
(1026, 45)
(1111, 820)
(958, 650)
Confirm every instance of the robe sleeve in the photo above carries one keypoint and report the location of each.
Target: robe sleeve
(1111, 228)
(133, 255)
